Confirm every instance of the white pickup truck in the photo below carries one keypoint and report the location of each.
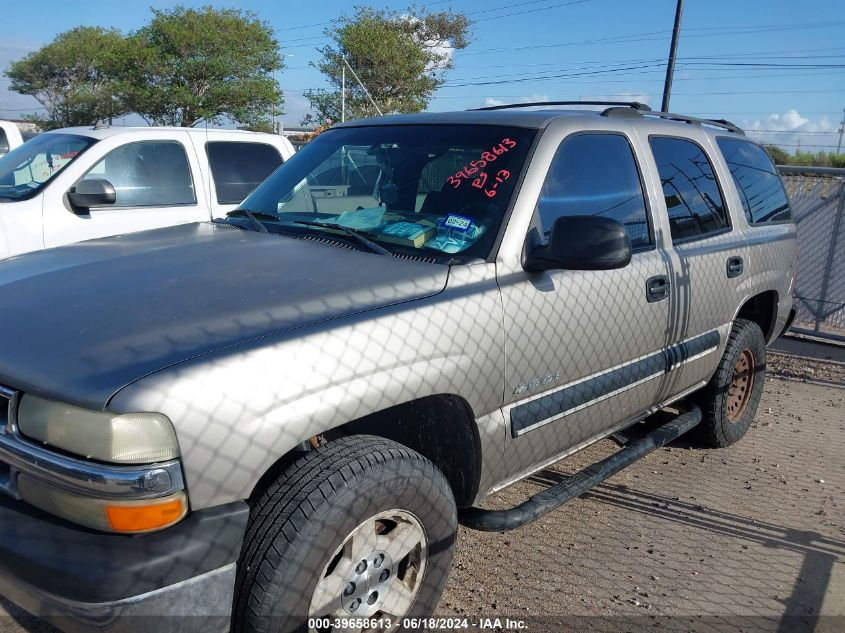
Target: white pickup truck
(10, 137)
(81, 183)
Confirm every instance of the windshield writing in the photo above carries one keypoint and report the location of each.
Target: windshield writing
(439, 189)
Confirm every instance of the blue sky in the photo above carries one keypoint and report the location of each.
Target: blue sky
(557, 49)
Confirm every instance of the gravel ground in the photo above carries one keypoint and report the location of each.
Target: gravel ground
(785, 366)
(684, 540)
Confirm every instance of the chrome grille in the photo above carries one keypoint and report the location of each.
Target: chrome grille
(8, 410)
(8, 403)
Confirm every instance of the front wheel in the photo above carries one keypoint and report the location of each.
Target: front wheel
(360, 529)
(729, 401)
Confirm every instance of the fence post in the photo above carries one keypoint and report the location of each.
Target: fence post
(831, 254)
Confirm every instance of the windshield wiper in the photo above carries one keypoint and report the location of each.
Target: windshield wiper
(353, 233)
(253, 217)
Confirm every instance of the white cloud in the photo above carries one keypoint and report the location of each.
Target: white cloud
(790, 130)
(640, 97)
(532, 98)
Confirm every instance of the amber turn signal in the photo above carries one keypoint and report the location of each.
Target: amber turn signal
(146, 516)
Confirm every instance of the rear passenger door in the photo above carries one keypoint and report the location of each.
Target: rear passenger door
(584, 348)
(237, 168)
(707, 253)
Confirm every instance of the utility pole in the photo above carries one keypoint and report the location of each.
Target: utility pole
(363, 87)
(343, 93)
(670, 67)
(275, 106)
(841, 130)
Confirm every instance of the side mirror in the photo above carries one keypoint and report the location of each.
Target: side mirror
(94, 192)
(581, 242)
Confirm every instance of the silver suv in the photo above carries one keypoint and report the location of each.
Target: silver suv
(277, 420)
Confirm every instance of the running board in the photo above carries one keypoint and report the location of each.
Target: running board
(579, 483)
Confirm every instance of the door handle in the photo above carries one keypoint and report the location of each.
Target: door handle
(657, 288)
(734, 266)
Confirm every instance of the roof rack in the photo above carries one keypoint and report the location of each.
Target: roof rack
(627, 113)
(636, 105)
(623, 109)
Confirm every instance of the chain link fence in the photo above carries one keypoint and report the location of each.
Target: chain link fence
(817, 195)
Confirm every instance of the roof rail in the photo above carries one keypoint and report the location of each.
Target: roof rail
(636, 105)
(722, 123)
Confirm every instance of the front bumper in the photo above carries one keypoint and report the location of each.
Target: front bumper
(180, 579)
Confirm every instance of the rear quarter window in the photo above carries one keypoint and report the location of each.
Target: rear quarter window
(239, 167)
(759, 186)
(4, 142)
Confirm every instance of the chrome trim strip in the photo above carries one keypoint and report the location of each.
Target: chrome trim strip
(89, 478)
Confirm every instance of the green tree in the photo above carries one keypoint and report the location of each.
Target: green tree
(400, 57)
(73, 77)
(210, 64)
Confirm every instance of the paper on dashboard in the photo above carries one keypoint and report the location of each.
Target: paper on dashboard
(362, 218)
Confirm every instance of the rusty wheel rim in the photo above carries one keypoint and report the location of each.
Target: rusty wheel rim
(742, 383)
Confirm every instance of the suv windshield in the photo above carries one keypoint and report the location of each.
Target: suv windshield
(423, 189)
(27, 169)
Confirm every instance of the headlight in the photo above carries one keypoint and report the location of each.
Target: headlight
(130, 438)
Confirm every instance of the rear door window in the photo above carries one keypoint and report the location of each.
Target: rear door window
(595, 174)
(238, 167)
(757, 182)
(693, 198)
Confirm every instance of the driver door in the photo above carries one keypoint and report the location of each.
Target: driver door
(584, 347)
(156, 182)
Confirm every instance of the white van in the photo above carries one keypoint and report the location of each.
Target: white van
(10, 137)
(81, 183)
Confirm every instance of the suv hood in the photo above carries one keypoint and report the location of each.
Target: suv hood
(82, 321)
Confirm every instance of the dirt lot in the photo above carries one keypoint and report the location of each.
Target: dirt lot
(685, 540)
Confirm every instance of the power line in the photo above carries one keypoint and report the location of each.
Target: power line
(632, 37)
(615, 67)
(523, 77)
(508, 15)
(316, 24)
(485, 12)
(768, 54)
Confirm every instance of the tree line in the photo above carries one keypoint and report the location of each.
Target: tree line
(805, 158)
(188, 65)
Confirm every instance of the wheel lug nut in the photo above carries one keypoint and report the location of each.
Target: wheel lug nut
(355, 605)
(350, 589)
(361, 567)
(378, 560)
(385, 574)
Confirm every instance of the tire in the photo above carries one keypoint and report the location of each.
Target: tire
(729, 401)
(332, 509)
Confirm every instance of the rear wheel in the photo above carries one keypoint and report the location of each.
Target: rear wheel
(362, 528)
(729, 401)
